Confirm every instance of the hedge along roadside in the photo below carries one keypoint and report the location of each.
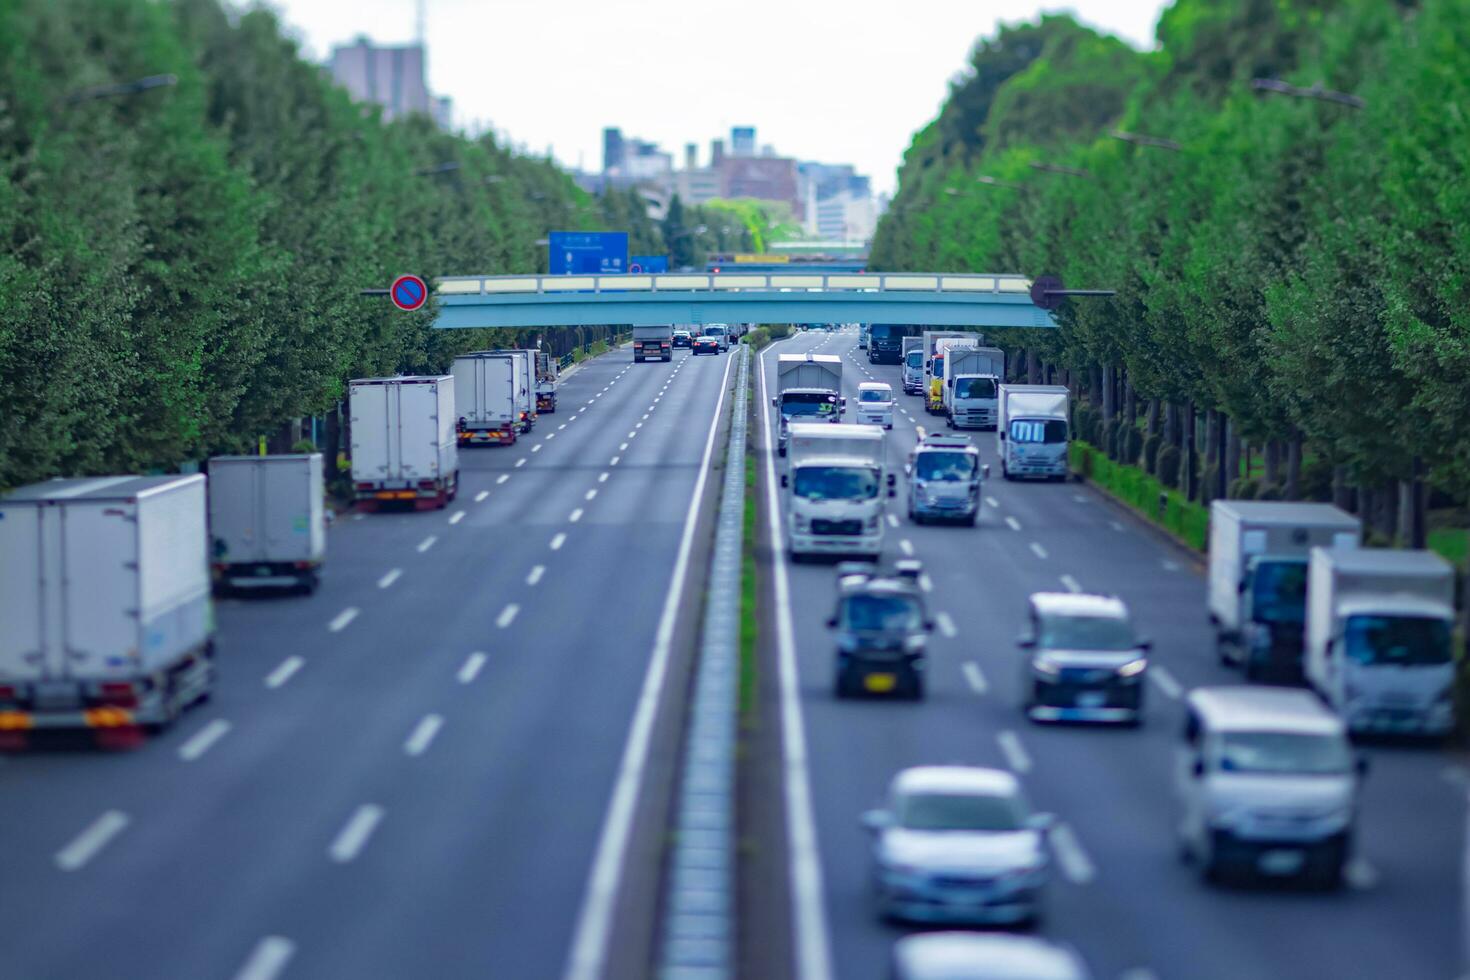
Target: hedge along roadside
(1168, 509)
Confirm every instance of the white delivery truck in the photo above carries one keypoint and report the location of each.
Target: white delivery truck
(1379, 624)
(1033, 432)
(486, 407)
(836, 485)
(404, 446)
(525, 389)
(971, 378)
(1258, 578)
(267, 521)
(931, 339)
(808, 389)
(547, 369)
(934, 398)
(653, 344)
(105, 605)
(912, 365)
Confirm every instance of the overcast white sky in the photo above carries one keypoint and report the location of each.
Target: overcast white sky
(841, 81)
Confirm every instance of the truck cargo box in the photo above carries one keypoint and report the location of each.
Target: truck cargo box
(267, 520)
(404, 446)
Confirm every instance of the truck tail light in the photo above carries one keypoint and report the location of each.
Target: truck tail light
(363, 486)
(426, 484)
(301, 566)
(9, 692)
(118, 694)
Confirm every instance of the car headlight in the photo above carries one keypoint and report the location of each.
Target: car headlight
(1045, 665)
(1133, 667)
(799, 522)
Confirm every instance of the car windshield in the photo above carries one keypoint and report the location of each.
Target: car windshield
(1283, 752)
(871, 395)
(1401, 641)
(889, 613)
(945, 466)
(1279, 592)
(974, 388)
(1038, 430)
(808, 403)
(836, 483)
(915, 359)
(955, 811)
(1086, 633)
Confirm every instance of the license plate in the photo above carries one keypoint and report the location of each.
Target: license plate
(57, 694)
(1092, 699)
(1281, 862)
(263, 570)
(879, 683)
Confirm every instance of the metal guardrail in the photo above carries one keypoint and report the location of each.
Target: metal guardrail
(698, 917)
(842, 282)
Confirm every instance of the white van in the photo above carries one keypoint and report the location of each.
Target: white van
(875, 404)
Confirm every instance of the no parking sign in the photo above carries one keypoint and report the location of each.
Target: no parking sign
(408, 293)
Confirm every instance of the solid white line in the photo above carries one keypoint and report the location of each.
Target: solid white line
(1013, 524)
(471, 669)
(810, 938)
(594, 920)
(602, 477)
(559, 540)
(85, 845)
(427, 543)
(535, 575)
(1071, 583)
(906, 546)
(502, 478)
(1076, 865)
(991, 502)
(925, 582)
(1165, 681)
(456, 517)
(575, 515)
(1015, 753)
(1038, 550)
(521, 461)
(422, 734)
(343, 618)
(892, 521)
(201, 741)
(284, 672)
(507, 615)
(480, 497)
(354, 835)
(591, 494)
(946, 625)
(267, 959)
(974, 677)
(389, 578)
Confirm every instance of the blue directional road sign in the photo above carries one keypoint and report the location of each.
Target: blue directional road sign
(648, 263)
(581, 253)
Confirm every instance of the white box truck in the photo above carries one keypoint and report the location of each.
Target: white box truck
(486, 409)
(1258, 579)
(106, 621)
(972, 376)
(912, 365)
(404, 447)
(267, 521)
(1379, 625)
(525, 389)
(835, 489)
(934, 390)
(808, 389)
(547, 370)
(1033, 432)
(654, 343)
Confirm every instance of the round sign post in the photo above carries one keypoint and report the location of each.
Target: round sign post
(634, 268)
(408, 293)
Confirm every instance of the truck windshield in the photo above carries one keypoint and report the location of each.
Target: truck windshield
(1284, 752)
(945, 466)
(1279, 592)
(1401, 641)
(975, 388)
(915, 359)
(938, 366)
(714, 331)
(1038, 430)
(870, 395)
(1086, 633)
(808, 403)
(835, 483)
(891, 613)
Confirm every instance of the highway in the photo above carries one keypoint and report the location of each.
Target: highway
(1119, 892)
(408, 774)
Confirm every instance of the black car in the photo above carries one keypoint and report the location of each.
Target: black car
(683, 338)
(1081, 660)
(882, 630)
(704, 344)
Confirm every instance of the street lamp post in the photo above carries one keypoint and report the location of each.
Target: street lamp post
(1155, 141)
(135, 87)
(1275, 86)
(1056, 168)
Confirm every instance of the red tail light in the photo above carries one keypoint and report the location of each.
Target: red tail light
(8, 692)
(426, 484)
(119, 694)
(363, 486)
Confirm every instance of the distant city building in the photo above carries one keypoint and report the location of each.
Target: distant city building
(742, 141)
(612, 148)
(393, 76)
(762, 178)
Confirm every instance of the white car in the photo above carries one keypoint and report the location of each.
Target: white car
(959, 844)
(875, 404)
(984, 956)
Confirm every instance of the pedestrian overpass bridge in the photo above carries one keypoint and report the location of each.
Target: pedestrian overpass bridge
(921, 298)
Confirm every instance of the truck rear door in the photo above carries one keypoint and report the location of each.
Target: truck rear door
(97, 588)
(416, 431)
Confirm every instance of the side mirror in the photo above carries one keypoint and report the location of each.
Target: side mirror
(928, 626)
(892, 479)
(908, 469)
(1361, 765)
(892, 492)
(773, 401)
(1240, 587)
(985, 471)
(832, 622)
(1198, 768)
(1026, 641)
(1041, 822)
(843, 402)
(785, 480)
(1145, 645)
(876, 820)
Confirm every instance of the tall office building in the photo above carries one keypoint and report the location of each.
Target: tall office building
(613, 150)
(390, 75)
(742, 141)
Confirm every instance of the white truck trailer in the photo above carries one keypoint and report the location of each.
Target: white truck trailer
(1379, 650)
(835, 489)
(486, 407)
(972, 376)
(525, 390)
(1258, 579)
(105, 605)
(808, 389)
(404, 447)
(267, 521)
(1033, 431)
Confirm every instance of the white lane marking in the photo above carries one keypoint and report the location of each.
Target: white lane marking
(946, 625)
(591, 494)
(892, 521)
(563, 425)
(594, 919)
(602, 477)
(992, 503)
(502, 478)
(1038, 550)
(974, 677)
(1360, 874)
(631, 434)
(637, 425)
(267, 959)
(1013, 524)
(535, 574)
(423, 733)
(358, 516)
(353, 836)
(1138, 973)
(1076, 865)
(1071, 583)
(507, 615)
(1165, 681)
(1170, 566)
(480, 497)
(86, 845)
(634, 435)
(427, 543)
(550, 436)
(456, 517)
(473, 664)
(536, 448)
(521, 461)
(1016, 755)
(1079, 498)
(925, 582)
(391, 576)
(614, 461)
(342, 619)
(575, 515)
(623, 447)
(203, 740)
(284, 672)
(1116, 525)
(558, 541)
(906, 546)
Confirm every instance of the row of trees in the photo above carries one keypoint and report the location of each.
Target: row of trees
(183, 265)
(1291, 272)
